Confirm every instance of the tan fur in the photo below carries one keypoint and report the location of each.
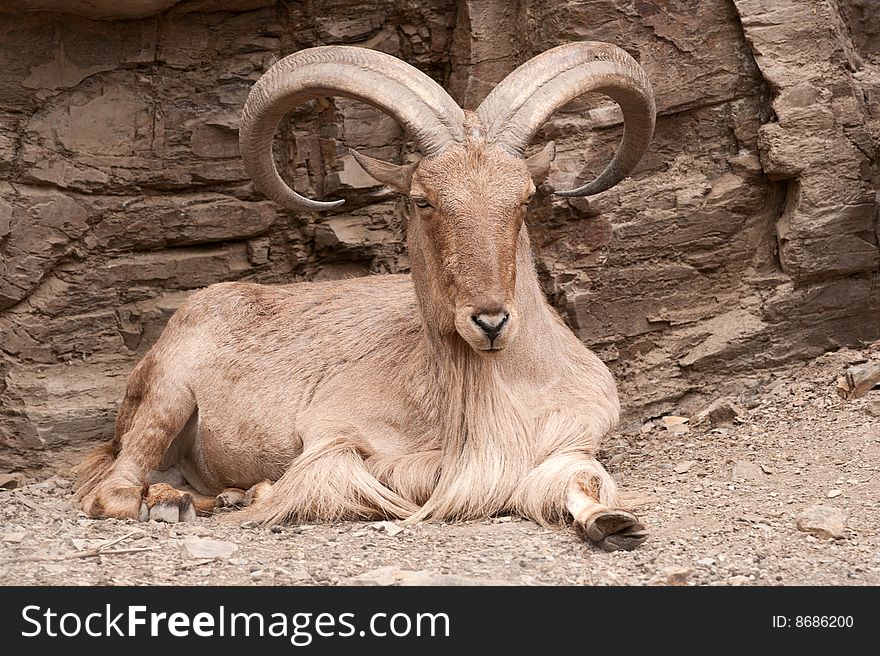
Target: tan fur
(372, 397)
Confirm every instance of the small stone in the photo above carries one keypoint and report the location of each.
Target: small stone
(767, 470)
(195, 547)
(721, 412)
(51, 483)
(672, 575)
(11, 481)
(750, 518)
(746, 471)
(684, 466)
(738, 580)
(386, 575)
(706, 562)
(391, 575)
(390, 528)
(294, 576)
(13, 538)
(834, 493)
(647, 427)
(674, 424)
(410, 578)
(823, 521)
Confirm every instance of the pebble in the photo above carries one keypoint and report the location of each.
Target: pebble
(390, 528)
(684, 467)
(746, 471)
(823, 521)
(834, 493)
(738, 580)
(386, 575)
(393, 575)
(675, 424)
(672, 575)
(408, 578)
(721, 412)
(10, 481)
(195, 547)
(294, 576)
(13, 538)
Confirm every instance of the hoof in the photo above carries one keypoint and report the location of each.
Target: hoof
(231, 497)
(164, 503)
(615, 530)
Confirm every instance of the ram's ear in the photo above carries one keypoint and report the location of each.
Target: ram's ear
(397, 176)
(539, 163)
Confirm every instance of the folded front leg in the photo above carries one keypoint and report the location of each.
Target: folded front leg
(575, 485)
(610, 528)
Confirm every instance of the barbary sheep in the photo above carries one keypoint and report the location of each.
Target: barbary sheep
(453, 392)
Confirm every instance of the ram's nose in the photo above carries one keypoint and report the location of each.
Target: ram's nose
(491, 323)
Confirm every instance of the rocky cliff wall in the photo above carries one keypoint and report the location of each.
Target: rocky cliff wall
(747, 238)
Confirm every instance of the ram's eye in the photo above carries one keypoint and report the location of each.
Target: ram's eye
(529, 199)
(422, 202)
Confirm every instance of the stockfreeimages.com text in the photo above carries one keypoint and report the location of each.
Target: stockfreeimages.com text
(301, 628)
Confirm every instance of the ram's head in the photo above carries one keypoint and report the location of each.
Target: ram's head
(470, 190)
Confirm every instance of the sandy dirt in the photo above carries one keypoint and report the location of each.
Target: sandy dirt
(722, 503)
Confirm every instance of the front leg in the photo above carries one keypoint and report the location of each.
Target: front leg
(611, 529)
(576, 486)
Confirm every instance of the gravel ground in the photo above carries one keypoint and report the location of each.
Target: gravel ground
(722, 504)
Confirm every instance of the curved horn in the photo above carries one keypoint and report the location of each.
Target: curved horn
(527, 97)
(417, 102)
